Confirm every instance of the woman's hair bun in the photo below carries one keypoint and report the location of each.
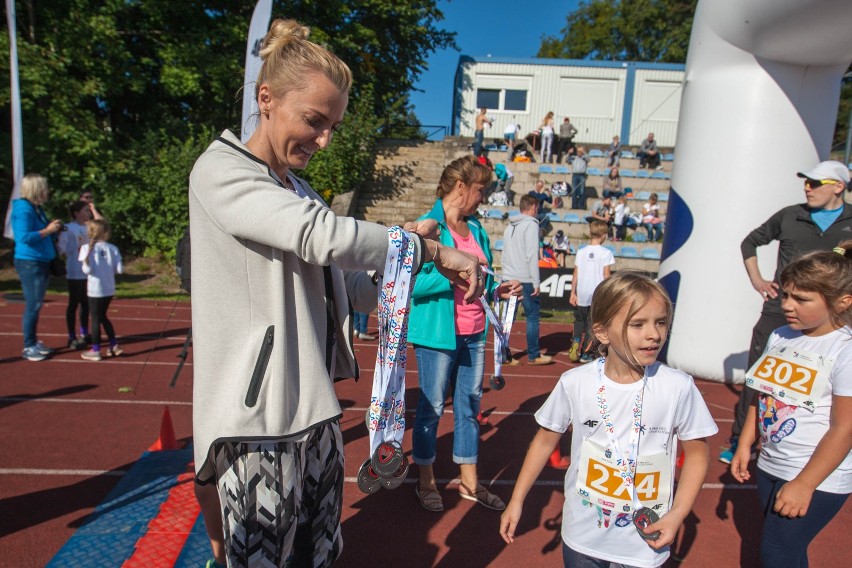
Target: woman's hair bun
(281, 33)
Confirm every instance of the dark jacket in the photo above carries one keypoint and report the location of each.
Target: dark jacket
(797, 234)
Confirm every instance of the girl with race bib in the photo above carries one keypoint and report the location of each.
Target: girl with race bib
(803, 413)
(628, 412)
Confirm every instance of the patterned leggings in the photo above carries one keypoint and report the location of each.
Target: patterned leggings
(281, 501)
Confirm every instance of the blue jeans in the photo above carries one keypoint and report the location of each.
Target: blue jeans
(437, 370)
(360, 322)
(578, 193)
(532, 307)
(655, 232)
(785, 541)
(477, 142)
(33, 275)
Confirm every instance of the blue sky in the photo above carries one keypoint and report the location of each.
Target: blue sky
(501, 28)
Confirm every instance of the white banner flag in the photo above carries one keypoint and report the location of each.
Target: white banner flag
(17, 136)
(257, 31)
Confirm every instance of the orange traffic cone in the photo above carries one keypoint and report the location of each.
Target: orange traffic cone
(558, 461)
(166, 441)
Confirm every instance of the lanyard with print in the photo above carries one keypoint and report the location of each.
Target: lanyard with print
(502, 329)
(796, 378)
(625, 461)
(387, 465)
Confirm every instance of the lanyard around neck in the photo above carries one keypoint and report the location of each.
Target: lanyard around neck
(626, 461)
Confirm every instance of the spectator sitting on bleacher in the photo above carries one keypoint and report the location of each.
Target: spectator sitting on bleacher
(613, 153)
(621, 219)
(561, 247)
(612, 184)
(649, 156)
(542, 196)
(651, 219)
(602, 211)
(578, 178)
(505, 177)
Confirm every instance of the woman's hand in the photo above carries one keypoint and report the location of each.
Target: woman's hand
(427, 228)
(460, 268)
(53, 227)
(510, 288)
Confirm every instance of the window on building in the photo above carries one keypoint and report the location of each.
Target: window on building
(515, 100)
(488, 98)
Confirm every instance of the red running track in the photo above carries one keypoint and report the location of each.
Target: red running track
(70, 428)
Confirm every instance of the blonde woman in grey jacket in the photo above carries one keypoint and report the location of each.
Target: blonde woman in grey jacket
(273, 275)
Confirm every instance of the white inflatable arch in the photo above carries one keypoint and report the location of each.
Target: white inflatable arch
(760, 98)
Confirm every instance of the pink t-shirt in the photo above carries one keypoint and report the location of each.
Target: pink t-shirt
(470, 318)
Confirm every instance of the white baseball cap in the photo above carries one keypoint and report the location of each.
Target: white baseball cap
(830, 169)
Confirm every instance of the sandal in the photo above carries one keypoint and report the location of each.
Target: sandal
(482, 496)
(429, 498)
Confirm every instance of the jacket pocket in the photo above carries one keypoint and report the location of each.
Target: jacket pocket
(260, 366)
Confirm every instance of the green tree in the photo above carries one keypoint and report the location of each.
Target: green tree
(625, 30)
(120, 96)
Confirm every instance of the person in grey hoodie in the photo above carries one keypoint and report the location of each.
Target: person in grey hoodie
(520, 262)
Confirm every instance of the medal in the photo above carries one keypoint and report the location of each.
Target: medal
(497, 382)
(387, 464)
(643, 518)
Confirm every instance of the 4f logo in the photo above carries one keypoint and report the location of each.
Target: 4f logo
(590, 423)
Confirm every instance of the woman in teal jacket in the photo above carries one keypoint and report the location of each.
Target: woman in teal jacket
(449, 337)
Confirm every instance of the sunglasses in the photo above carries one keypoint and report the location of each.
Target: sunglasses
(815, 183)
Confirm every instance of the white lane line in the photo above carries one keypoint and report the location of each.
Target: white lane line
(91, 400)
(79, 472)
(410, 481)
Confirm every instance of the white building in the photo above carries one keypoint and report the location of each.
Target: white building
(602, 98)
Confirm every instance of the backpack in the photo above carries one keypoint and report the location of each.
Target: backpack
(182, 261)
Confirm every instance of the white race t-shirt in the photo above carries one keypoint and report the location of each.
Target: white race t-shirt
(70, 243)
(790, 434)
(104, 263)
(591, 261)
(672, 406)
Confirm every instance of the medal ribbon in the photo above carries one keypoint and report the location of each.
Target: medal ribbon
(625, 462)
(502, 326)
(387, 401)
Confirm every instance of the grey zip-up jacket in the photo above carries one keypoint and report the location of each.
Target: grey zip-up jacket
(520, 250)
(260, 312)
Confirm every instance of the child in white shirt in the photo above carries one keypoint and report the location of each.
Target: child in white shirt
(592, 266)
(101, 262)
(628, 412)
(803, 413)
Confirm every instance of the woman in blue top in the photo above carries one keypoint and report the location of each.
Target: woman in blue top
(34, 249)
(449, 337)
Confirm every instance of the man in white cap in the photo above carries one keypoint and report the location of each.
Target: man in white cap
(819, 224)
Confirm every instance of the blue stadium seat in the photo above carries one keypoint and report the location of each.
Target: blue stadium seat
(572, 249)
(562, 170)
(611, 248)
(545, 169)
(627, 173)
(668, 175)
(595, 153)
(503, 148)
(491, 147)
(513, 212)
(643, 195)
(650, 254)
(663, 196)
(554, 217)
(572, 218)
(498, 244)
(629, 252)
(640, 238)
(643, 174)
(668, 157)
(494, 214)
(658, 175)
(594, 172)
(627, 154)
